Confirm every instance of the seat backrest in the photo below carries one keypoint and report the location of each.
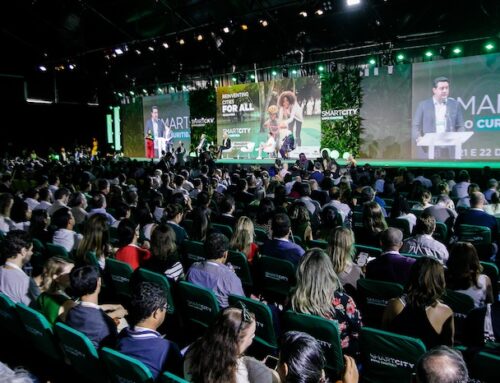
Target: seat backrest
(9, 320)
(224, 229)
(260, 236)
(477, 235)
(276, 277)
(56, 250)
(194, 251)
(370, 250)
(461, 304)
(441, 232)
(168, 377)
(92, 258)
(198, 306)
(264, 330)
(120, 273)
(122, 368)
(240, 264)
(486, 367)
(187, 224)
(401, 224)
(491, 270)
(318, 243)
(144, 275)
(388, 357)
(324, 330)
(373, 298)
(39, 330)
(80, 352)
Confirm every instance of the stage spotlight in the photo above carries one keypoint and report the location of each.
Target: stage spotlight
(319, 12)
(118, 51)
(252, 76)
(350, 3)
(144, 91)
(225, 29)
(400, 57)
(199, 37)
(346, 155)
(42, 68)
(165, 45)
(264, 23)
(489, 46)
(294, 71)
(71, 66)
(372, 61)
(303, 14)
(274, 73)
(216, 82)
(428, 54)
(457, 50)
(234, 79)
(244, 27)
(321, 68)
(151, 48)
(138, 52)
(335, 154)
(132, 93)
(181, 41)
(160, 90)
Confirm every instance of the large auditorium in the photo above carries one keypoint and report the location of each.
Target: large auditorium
(250, 191)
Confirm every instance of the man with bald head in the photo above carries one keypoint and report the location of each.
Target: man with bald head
(442, 365)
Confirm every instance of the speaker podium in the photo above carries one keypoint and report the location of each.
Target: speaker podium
(453, 139)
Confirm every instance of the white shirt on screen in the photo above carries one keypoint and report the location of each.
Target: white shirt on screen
(440, 116)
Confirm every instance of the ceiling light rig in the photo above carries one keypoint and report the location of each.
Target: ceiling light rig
(226, 29)
(303, 14)
(264, 23)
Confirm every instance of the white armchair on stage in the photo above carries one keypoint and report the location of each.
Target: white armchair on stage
(453, 139)
(226, 152)
(248, 148)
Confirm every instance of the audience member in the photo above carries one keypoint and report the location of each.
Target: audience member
(442, 364)
(129, 252)
(65, 236)
(341, 250)
(243, 239)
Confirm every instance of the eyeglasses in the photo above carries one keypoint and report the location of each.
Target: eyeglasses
(245, 316)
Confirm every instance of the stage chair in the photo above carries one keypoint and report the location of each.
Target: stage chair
(226, 152)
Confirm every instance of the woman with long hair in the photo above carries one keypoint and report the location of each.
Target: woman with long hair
(95, 239)
(164, 256)
(243, 238)
(39, 224)
(227, 339)
(419, 312)
(341, 250)
(401, 210)
(6, 203)
(264, 215)
(493, 207)
(201, 225)
(319, 292)
(464, 274)
(53, 302)
(301, 221)
(21, 215)
(373, 224)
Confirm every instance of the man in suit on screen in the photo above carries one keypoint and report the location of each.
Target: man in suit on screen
(439, 114)
(155, 129)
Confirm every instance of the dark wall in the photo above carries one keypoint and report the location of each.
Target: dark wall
(40, 126)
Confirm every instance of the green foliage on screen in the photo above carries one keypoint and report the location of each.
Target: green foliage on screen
(202, 103)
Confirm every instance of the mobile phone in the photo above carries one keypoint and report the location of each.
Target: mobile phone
(271, 362)
(362, 259)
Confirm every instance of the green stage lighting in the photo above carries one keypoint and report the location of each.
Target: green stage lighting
(321, 68)
(274, 73)
(400, 57)
(234, 79)
(294, 71)
(372, 62)
(252, 76)
(489, 46)
(428, 54)
(457, 50)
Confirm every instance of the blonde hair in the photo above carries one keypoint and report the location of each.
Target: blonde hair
(52, 269)
(316, 284)
(242, 237)
(341, 248)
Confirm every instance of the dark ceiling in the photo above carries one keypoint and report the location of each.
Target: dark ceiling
(86, 32)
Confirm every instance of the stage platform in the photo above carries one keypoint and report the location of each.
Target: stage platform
(362, 161)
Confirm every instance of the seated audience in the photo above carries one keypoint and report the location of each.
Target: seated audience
(78, 204)
(226, 209)
(6, 203)
(319, 292)
(422, 242)
(243, 238)
(492, 189)
(227, 339)
(61, 197)
(129, 252)
(39, 224)
(442, 364)
(301, 221)
(401, 210)
(174, 214)
(280, 246)
(65, 236)
(21, 215)
(390, 266)
(98, 206)
(419, 312)
(341, 250)
(16, 251)
(373, 224)
(493, 207)
(464, 274)
(213, 273)
(141, 340)
(95, 239)
(87, 316)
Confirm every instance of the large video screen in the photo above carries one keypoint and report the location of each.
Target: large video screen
(441, 110)
(166, 123)
(273, 118)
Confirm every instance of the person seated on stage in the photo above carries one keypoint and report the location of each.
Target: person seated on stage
(226, 144)
(142, 341)
(202, 145)
(287, 144)
(268, 147)
(272, 123)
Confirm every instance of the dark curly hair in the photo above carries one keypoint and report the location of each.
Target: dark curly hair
(14, 242)
(222, 339)
(146, 298)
